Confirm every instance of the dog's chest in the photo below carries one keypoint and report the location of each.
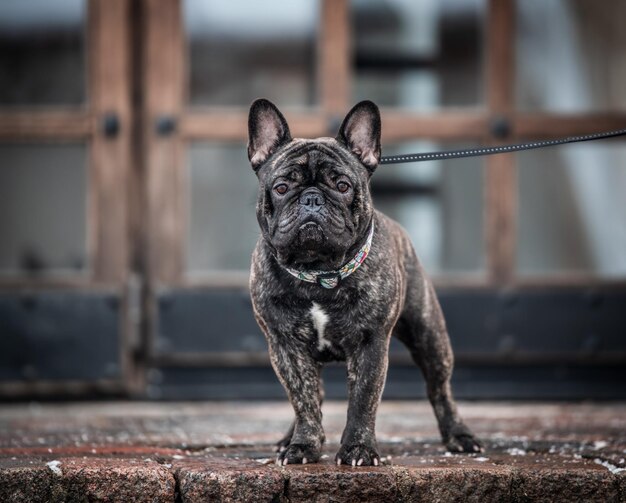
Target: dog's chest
(324, 343)
(320, 319)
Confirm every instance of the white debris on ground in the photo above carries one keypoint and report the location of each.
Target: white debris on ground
(54, 466)
(482, 459)
(599, 444)
(609, 466)
(515, 451)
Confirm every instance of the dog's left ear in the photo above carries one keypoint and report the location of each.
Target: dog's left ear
(360, 132)
(267, 130)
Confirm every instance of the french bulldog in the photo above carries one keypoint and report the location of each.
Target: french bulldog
(333, 279)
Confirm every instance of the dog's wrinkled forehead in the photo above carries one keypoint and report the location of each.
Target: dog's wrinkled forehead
(311, 153)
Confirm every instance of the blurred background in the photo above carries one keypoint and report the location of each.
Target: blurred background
(127, 202)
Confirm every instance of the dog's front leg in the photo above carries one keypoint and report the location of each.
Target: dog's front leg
(300, 376)
(367, 370)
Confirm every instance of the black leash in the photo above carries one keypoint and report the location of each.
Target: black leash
(501, 149)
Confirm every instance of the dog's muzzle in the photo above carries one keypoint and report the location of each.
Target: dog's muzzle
(312, 200)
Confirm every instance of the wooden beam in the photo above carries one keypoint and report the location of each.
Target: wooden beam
(397, 126)
(500, 217)
(35, 125)
(163, 74)
(448, 126)
(108, 214)
(230, 359)
(233, 125)
(334, 59)
(213, 359)
(500, 56)
(546, 126)
(500, 174)
(110, 87)
(46, 389)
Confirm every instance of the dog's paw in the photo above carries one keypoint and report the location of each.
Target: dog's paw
(461, 439)
(295, 454)
(358, 455)
(283, 443)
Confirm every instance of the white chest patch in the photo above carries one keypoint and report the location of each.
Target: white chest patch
(320, 320)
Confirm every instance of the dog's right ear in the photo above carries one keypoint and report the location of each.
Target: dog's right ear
(267, 130)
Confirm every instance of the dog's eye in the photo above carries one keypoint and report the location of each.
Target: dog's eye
(343, 186)
(281, 188)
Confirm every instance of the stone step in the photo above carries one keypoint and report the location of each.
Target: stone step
(134, 452)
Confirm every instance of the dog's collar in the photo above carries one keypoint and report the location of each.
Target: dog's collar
(331, 279)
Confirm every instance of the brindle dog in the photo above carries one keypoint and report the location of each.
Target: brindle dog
(334, 279)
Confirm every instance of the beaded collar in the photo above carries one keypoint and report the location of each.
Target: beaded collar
(331, 279)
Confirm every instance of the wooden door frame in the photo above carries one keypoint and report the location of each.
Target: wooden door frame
(108, 94)
(496, 122)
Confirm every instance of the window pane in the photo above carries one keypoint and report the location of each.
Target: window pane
(418, 55)
(439, 203)
(570, 55)
(42, 209)
(222, 198)
(42, 46)
(240, 51)
(571, 210)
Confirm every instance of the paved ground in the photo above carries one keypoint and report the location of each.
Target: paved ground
(192, 452)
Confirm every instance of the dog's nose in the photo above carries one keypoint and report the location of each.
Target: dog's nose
(312, 199)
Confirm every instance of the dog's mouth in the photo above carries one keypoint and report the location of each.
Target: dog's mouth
(310, 235)
(310, 243)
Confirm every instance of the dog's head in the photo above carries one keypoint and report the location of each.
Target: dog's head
(314, 205)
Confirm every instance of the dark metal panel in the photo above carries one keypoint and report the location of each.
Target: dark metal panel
(214, 383)
(577, 322)
(529, 343)
(540, 382)
(207, 320)
(57, 335)
(403, 382)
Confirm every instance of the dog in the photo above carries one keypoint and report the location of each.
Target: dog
(332, 279)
